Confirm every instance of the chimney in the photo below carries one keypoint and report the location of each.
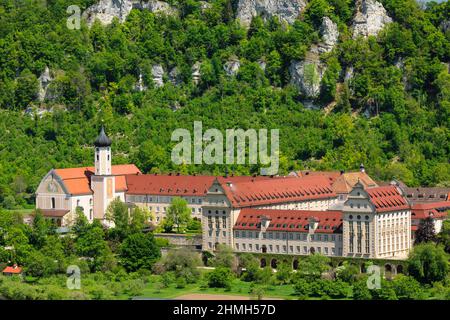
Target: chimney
(342, 172)
(361, 168)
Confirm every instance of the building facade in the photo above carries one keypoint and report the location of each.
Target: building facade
(332, 213)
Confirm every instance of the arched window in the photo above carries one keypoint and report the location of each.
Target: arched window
(53, 203)
(273, 263)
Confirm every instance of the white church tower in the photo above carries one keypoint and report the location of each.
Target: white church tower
(102, 182)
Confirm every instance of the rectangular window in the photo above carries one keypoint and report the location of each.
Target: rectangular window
(224, 222)
(270, 235)
(237, 246)
(359, 236)
(291, 236)
(351, 235)
(243, 246)
(367, 237)
(270, 248)
(326, 250)
(305, 249)
(250, 247)
(277, 235)
(277, 248)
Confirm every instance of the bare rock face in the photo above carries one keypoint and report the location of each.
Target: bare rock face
(44, 81)
(348, 73)
(196, 75)
(262, 64)
(205, 5)
(285, 10)
(107, 10)
(174, 76)
(370, 18)
(330, 34)
(232, 67)
(157, 75)
(140, 86)
(307, 75)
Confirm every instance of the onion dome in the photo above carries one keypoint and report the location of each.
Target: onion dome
(102, 139)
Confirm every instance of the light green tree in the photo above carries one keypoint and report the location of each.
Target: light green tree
(178, 213)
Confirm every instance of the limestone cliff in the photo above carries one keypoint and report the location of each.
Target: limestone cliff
(369, 19)
(107, 10)
(285, 10)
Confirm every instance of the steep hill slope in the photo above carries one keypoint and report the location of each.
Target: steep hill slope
(380, 69)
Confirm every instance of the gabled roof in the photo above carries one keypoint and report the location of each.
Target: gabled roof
(14, 270)
(170, 185)
(435, 209)
(289, 220)
(342, 182)
(346, 181)
(177, 185)
(387, 198)
(277, 190)
(77, 180)
(424, 194)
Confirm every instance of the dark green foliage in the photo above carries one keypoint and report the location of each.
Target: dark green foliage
(425, 232)
(428, 263)
(139, 251)
(400, 77)
(221, 277)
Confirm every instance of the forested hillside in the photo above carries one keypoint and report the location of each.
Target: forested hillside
(384, 100)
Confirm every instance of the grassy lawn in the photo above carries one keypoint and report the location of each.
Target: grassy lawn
(238, 288)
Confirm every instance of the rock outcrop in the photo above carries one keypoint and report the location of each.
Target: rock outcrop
(285, 10)
(196, 75)
(232, 66)
(175, 77)
(107, 10)
(157, 75)
(330, 34)
(140, 86)
(369, 19)
(44, 81)
(306, 75)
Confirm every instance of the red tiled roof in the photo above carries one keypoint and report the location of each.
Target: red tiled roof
(345, 182)
(277, 190)
(77, 180)
(435, 209)
(54, 212)
(387, 199)
(289, 220)
(169, 184)
(177, 185)
(15, 270)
